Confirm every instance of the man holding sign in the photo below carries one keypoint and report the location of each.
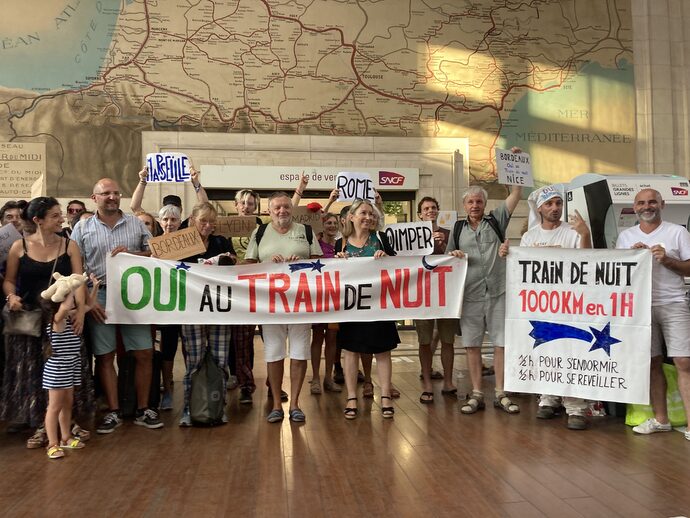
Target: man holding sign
(479, 237)
(670, 247)
(552, 232)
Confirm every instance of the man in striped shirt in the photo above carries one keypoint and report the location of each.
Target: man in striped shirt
(110, 232)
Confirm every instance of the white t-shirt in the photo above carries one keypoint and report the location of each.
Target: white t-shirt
(563, 236)
(667, 286)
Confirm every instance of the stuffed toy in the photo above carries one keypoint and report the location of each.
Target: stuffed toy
(58, 291)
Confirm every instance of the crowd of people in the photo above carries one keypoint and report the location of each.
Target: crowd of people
(48, 374)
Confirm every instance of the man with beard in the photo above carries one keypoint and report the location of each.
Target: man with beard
(283, 241)
(554, 233)
(670, 247)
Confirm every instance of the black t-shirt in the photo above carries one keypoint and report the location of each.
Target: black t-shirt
(216, 245)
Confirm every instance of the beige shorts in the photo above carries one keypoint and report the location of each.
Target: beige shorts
(447, 329)
(671, 325)
(478, 317)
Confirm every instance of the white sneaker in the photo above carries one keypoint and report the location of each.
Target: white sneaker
(687, 434)
(651, 425)
(186, 419)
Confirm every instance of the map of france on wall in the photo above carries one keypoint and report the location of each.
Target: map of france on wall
(86, 77)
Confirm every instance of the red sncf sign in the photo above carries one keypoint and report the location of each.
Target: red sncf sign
(677, 191)
(391, 178)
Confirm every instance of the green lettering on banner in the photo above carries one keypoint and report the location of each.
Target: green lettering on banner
(146, 287)
(158, 284)
(182, 300)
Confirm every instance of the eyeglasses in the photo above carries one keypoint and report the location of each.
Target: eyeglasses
(107, 194)
(74, 210)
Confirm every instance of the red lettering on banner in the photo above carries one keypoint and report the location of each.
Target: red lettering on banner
(427, 289)
(564, 302)
(388, 287)
(332, 291)
(303, 295)
(407, 302)
(274, 289)
(252, 288)
(441, 271)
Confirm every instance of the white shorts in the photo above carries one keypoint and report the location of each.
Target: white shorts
(480, 316)
(671, 325)
(275, 337)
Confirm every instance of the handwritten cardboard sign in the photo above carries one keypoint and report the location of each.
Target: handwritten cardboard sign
(168, 167)
(235, 226)
(8, 235)
(514, 168)
(447, 218)
(177, 245)
(411, 238)
(306, 217)
(354, 186)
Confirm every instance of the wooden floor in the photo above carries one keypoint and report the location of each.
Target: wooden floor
(428, 461)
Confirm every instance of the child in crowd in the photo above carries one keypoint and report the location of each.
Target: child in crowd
(62, 372)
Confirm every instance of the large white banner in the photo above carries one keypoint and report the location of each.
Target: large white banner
(580, 323)
(148, 290)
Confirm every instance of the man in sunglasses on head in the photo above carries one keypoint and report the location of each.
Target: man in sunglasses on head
(110, 232)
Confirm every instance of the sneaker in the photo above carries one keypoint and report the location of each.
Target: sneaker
(225, 418)
(80, 433)
(245, 396)
(109, 423)
(38, 440)
(651, 425)
(186, 419)
(687, 434)
(546, 412)
(577, 422)
(167, 401)
(148, 418)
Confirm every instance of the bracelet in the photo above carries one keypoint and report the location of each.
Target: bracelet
(142, 182)
(297, 192)
(197, 188)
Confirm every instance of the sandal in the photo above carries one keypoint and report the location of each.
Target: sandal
(504, 403)
(473, 403)
(38, 440)
(73, 443)
(55, 452)
(387, 411)
(350, 413)
(426, 398)
(331, 386)
(297, 416)
(315, 387)
(275, 416)
(368, 390)
(80, 433)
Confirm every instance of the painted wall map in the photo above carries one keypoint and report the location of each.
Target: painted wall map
(553, 77)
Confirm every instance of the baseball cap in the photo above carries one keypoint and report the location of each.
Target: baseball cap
(172, 199)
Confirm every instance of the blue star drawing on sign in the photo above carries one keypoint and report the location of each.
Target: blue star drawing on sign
(604, 340)
(315, 266)
(543, 332)
(182, 266)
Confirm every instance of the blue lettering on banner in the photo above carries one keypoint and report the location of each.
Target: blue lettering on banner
(168, 167)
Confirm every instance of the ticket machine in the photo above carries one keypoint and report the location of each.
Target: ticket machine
(606, 202)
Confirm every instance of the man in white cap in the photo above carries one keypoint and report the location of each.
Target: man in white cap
(552, 232)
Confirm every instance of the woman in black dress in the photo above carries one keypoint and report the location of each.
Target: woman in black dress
(377, 338)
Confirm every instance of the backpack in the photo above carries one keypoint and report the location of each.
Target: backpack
(490, 219)
(262, 228)
(207, 398)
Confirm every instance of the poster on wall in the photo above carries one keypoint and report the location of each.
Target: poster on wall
(22, 169)
(580, 323)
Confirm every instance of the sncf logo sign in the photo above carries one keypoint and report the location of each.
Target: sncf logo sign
(677, 191)
(391, 178)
